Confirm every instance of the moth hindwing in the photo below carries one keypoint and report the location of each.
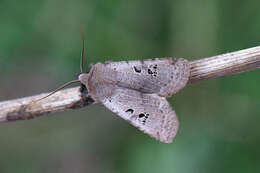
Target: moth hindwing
(137, 91)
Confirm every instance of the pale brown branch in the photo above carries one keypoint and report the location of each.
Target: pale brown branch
(212, 67)
(225, 64)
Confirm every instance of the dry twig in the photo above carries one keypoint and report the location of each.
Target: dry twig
(212, 67)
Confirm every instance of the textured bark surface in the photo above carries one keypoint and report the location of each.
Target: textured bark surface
(225, 64)
(77, 97)
(28, 107)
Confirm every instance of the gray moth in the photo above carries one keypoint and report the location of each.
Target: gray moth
(137, 91)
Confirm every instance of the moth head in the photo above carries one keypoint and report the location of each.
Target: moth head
(83, 78)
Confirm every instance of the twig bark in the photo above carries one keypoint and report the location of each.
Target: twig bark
(225, 64)
(72, 98)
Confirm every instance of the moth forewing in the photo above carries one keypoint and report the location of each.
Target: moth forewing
(148, 112)
(164, 76)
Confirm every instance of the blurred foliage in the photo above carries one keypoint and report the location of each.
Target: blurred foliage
(40, 46)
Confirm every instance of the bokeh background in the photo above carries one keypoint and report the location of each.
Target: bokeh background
(40, 44)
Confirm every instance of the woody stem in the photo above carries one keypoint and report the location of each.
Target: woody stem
(77, 97)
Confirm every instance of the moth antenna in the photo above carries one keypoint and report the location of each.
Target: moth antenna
(82, 52)
(61, 87)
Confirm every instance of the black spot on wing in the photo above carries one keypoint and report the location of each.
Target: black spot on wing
(150, 71)
(137, 69)
(130, 111)
(143, 117)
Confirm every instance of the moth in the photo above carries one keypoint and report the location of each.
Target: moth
(137, 90)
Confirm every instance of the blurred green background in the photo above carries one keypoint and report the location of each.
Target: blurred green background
(40, 44)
